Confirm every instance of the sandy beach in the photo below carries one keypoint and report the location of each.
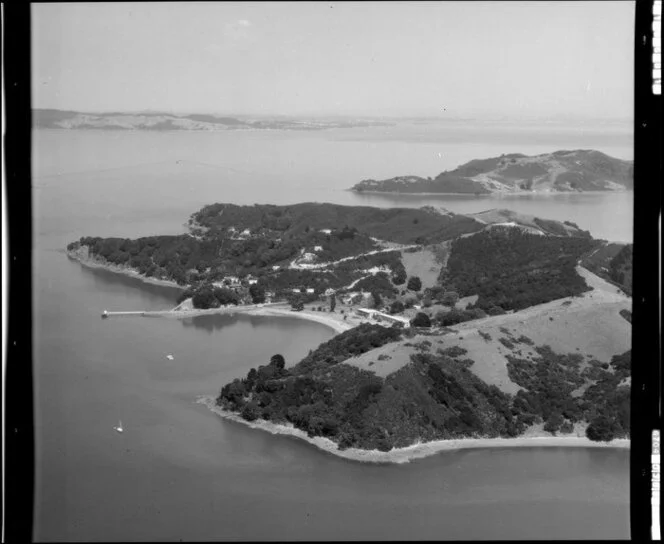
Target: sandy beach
(416, 451)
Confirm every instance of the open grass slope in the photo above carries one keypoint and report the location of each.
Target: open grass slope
(562, 171)
(423, 264)
(590, 325)
(529, 223)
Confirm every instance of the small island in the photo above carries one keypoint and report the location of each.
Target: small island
(453, 330)
(580, 170)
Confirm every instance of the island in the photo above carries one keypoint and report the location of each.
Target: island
(453, 330)
(580, 170)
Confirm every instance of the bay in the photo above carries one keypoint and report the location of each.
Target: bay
(180, 472)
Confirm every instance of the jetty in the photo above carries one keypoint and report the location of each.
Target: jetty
(144, 313)
(178, 312)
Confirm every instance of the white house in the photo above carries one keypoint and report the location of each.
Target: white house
(276, 267)
(253, 281)
(382, 317)
(325, 231)
(310, 290)
(329, 292)
(318, 248)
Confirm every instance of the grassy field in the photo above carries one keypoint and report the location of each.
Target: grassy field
(590, 325)
(424, 264)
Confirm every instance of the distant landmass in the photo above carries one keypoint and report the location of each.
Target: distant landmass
(63, 119)
(562, 171)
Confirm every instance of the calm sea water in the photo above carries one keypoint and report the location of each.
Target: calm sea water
(180, 472)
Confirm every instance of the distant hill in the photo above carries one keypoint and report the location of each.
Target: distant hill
(63, 119)
(561, 171)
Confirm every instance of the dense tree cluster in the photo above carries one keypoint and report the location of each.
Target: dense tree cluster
(414, 283)
(549, 380)
(512, 269)
(421, 320)
(454, 316)
(392, 224)
(378, 283)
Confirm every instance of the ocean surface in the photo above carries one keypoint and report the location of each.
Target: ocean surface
(179, 472)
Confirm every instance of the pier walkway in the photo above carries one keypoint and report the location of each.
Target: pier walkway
(194, 312)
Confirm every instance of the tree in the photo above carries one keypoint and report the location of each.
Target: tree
(226, 296)
(333, 302)
(399, 278)
(414, 283)
(297, 304)
(376, 299)
(421, 320)
(205, 298)
(396, 307)
(257, 293)
(553, 423)
(251, 411)
(450, 298)
(601, 429)
(278, 361)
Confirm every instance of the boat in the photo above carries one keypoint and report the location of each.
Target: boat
(104, 314)
(119, 427)
(170, 357)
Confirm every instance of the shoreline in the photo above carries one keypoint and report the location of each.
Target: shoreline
(278, 310)
(415, 451)
(129, 272)
(497, 193)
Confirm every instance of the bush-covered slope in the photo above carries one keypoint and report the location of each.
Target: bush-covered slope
(513, 269)
(434, 396)
(403, 225)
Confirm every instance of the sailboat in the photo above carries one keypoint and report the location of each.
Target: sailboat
(119, 427)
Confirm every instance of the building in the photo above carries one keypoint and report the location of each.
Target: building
(325, 231)
(329, 292)
(276, 267)
(379, 316)
(318, 248)
(310, 290)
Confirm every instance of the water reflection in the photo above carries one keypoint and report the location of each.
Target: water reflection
(211, 323)
(103, 279)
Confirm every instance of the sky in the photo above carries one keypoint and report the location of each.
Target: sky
(459, 59)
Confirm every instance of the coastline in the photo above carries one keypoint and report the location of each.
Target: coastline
(85, 260)
(497, 193)
(415, 451)
(277, 309)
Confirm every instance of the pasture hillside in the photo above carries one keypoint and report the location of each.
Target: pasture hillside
(590, 325)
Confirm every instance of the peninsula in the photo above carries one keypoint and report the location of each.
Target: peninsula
(453, 330)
